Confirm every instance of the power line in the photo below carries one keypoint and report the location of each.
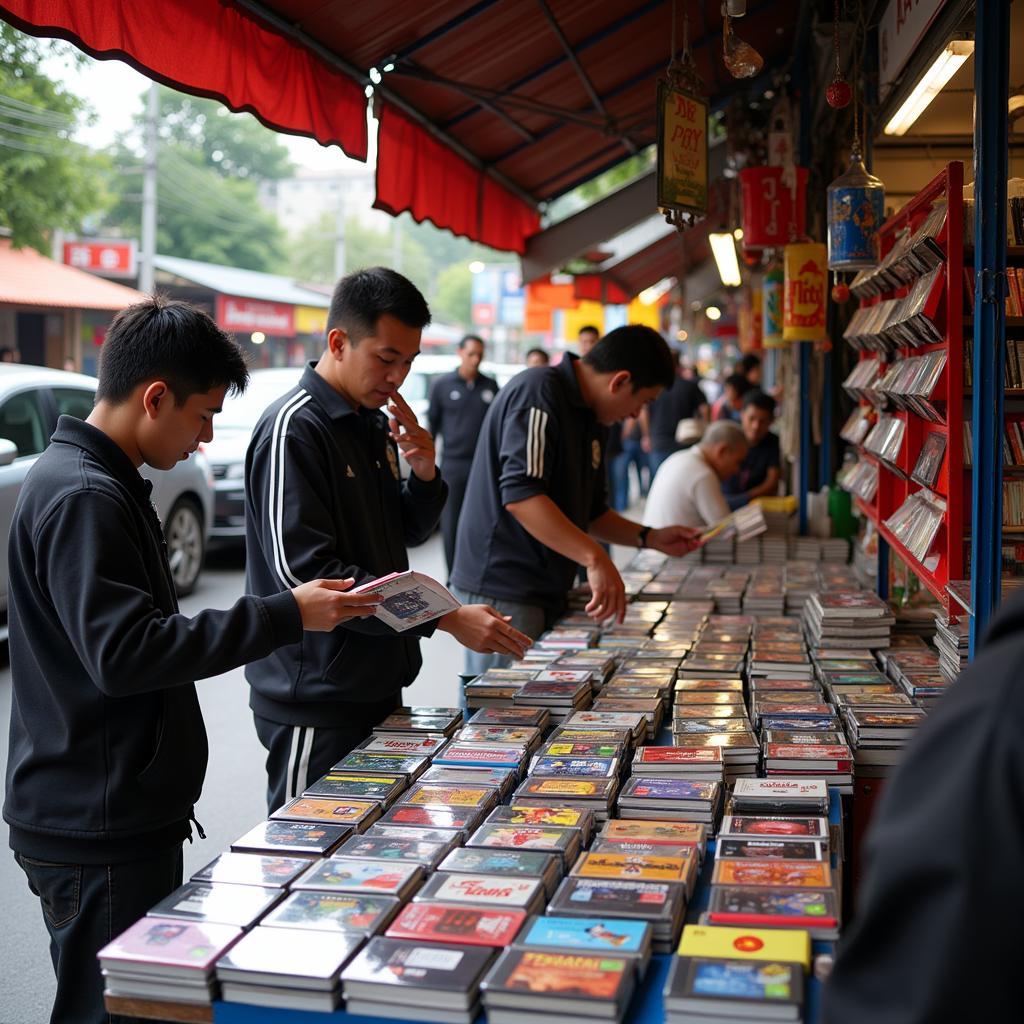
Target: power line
(30, 111)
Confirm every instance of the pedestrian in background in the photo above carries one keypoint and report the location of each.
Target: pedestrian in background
(537, 357)
(458, 404)
(730, 402)
(684, 400)
(586, 338)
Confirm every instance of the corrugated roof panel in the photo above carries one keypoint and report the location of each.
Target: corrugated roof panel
(29, 279)
(246, 284)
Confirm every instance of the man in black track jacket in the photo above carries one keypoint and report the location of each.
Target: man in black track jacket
(107, 744)
(324, 496)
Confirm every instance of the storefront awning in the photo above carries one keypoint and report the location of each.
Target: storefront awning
(32, 280)
(487, 109)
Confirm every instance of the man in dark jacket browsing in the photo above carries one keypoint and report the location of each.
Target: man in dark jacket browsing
(936, 934)
(324, 496)
(107, 744)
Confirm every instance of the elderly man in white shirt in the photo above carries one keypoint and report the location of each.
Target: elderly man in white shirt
(687, 489)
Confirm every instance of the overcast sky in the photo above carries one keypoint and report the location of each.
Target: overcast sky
(115, 91)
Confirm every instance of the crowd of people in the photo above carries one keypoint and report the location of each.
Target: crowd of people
(528, 492)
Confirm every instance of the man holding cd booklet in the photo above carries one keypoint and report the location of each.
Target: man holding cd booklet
(324, 498)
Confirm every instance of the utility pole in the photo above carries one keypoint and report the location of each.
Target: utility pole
(149, 193)
(339, 232)
(396, 245)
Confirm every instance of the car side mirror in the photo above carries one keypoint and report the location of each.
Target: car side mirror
(8, 451)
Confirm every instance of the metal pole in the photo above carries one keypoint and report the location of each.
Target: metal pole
(825, 451)
(991, 91)
(339, 232)
(148, 247)
(396, 245)
(805, 430)
(882, 582)
(804, 80)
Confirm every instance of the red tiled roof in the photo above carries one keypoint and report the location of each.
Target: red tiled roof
(29, 279)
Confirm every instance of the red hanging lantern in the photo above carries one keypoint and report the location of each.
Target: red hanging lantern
(773, 214)
(839, 93)
(840, 291)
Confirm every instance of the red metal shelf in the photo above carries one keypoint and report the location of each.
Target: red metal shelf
(893, 490)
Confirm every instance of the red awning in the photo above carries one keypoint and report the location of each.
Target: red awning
(416, 172)
(488, 108)
(209, 48)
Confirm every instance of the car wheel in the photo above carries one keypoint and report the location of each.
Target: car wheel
(185, 544)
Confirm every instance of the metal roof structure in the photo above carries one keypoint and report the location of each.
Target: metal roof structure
(487, 108)
(246, 284)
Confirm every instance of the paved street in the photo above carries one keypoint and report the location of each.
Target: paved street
(233, 799)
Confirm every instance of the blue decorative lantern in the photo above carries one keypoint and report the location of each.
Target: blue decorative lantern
(856, 208)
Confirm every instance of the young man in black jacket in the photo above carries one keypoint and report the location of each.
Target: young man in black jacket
(108, 748)
(324, 496)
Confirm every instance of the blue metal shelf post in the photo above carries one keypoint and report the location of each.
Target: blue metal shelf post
(991, 90)
(804, 478)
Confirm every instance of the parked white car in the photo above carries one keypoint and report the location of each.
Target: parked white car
(31, 399)
(233, 429)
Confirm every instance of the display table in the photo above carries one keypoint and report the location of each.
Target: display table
(646, 1007)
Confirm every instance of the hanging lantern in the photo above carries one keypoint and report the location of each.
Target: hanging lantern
(771, 304)
(773, 214)
(840, 290)
(856, 208)
(803, 292)
(839, 93)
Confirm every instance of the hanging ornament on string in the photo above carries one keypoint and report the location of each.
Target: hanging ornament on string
(740, 58)
(840, 289)
(839, 93)
(682, 118)
(856, 208)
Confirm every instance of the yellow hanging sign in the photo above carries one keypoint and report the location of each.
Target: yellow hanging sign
(805, 269)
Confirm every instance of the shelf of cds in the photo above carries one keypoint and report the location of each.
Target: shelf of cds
(909, 383)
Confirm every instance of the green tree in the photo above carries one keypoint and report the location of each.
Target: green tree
(209, 165)
(46, 180)
(312, 252)
(453, 295)
(233, 145)
(200, 214)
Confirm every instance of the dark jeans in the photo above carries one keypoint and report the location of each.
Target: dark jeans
(656, 458)
(632, 454)
(456, 475)
(530, 619)
(84, 907)
(297, 755)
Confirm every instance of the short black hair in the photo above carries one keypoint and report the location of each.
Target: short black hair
(166, 339)
(761, 400)
(588, 328)
(538, 352)
(738, 383)
(748, 362)
(470, 337)
(361, 298)
(640, 350)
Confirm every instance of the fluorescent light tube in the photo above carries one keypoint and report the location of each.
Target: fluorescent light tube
(723, 248)
(932, 82)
